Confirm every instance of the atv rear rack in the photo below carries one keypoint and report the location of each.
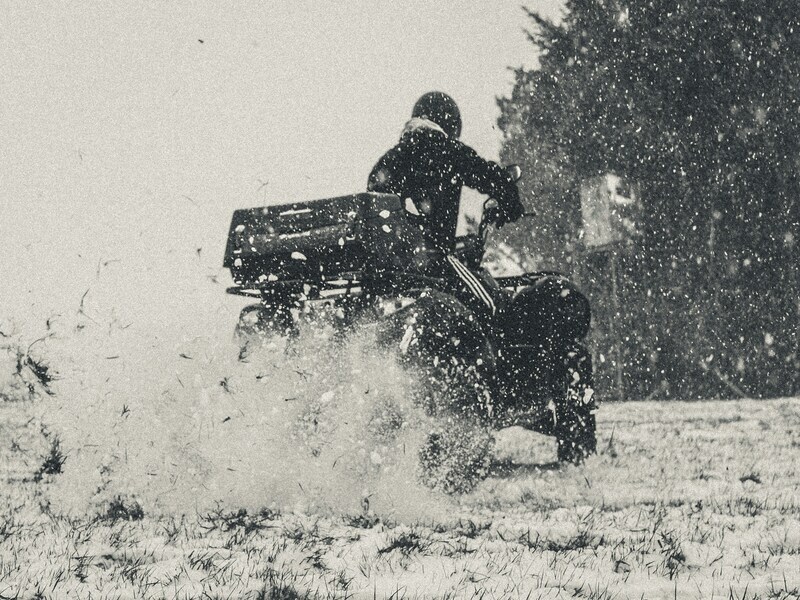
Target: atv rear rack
(298, 287)
(354, 285)
(301, 289)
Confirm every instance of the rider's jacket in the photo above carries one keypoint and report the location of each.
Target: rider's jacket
(431, 168)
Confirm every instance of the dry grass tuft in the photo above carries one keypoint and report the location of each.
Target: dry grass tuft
(227, 521)
(54, 460)
(123, 509)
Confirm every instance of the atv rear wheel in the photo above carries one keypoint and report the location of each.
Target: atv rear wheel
(263, 320)
(575, 425)
(456, 456)
(458, 452)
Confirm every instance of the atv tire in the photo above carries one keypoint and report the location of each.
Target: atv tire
(264, 320)
(456, 457)
(576, 436)
(575, 425)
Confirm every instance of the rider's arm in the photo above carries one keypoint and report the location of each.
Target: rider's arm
(386, 174)
(491, 179)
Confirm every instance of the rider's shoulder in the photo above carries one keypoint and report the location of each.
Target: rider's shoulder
(421, 128)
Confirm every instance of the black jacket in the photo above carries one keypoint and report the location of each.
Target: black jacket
(431, 168)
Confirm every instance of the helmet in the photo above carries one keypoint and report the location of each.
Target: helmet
(442, 110)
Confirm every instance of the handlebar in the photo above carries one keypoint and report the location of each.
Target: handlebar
(490, 215)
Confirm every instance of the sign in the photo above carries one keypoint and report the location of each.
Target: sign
(610, 211)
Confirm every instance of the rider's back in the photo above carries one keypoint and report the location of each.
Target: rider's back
(430, 167)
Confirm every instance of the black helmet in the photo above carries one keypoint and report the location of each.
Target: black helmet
(442, 110)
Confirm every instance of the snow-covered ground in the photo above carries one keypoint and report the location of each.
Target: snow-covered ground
(209, 475)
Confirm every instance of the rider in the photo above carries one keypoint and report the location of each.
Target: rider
(430, 165)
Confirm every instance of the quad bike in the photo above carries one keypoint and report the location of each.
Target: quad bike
(361, 255)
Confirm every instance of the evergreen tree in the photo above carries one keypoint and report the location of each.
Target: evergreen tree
(699, 103)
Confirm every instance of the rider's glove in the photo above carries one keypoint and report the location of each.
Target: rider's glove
(509, 214)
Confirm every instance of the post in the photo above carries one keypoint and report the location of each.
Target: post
(615, 333)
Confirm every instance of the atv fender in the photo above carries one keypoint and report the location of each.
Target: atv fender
(437, 327)
(550, 313)
(442, 342)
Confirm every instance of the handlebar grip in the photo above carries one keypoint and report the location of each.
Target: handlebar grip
(491, 214)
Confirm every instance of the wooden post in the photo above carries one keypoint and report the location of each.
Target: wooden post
(615, 332)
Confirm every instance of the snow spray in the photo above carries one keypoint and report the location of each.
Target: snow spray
(315, 423)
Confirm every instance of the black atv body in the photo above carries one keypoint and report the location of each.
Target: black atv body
(360, 253)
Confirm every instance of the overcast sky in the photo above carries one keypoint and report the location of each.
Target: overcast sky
(129, 131)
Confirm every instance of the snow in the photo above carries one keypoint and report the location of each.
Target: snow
(112, 250)
(692, 499)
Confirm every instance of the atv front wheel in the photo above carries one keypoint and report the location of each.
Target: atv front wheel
(575, 425)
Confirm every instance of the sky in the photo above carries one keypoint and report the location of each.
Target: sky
(130, 131)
